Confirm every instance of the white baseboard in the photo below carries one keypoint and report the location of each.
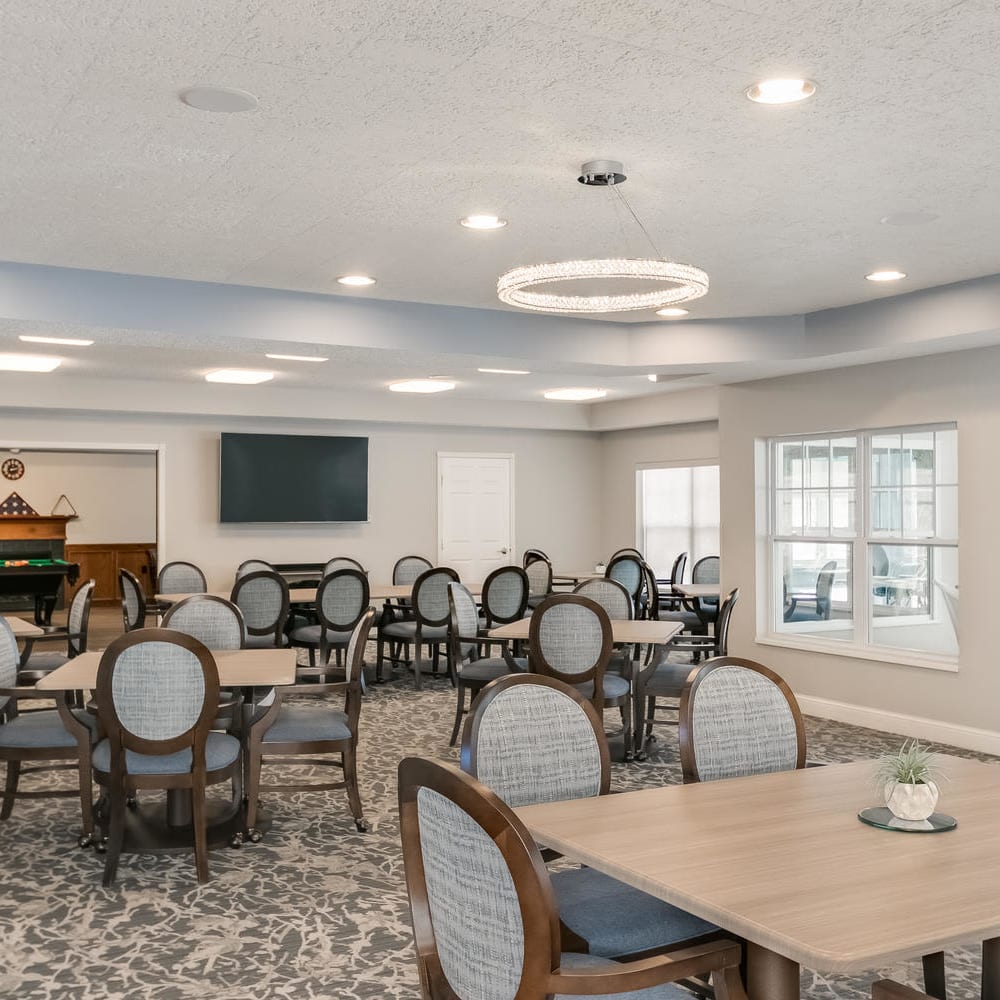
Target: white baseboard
(967, 737)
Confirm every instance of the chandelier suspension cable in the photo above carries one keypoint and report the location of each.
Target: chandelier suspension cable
(621, 197)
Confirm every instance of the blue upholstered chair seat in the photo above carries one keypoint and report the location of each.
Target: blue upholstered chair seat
(615, 686)
(301, 723)
(45, 661)
(37, 729)
(407, 632)
(576, 963)
(220, 751)
(263, 641)
(309, 635)
(621, 661)
(533, 602)
(489, 669)
(668, 680)
(615, 919)
(687, 618)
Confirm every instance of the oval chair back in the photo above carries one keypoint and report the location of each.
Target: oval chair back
(627, 570)
(706, 570)
(10, 661)
(213, 621)
(430, 596)
(626, 552)
(342, 562)
(181, 578)
(505, 595)
(722, 622)
(252, 566)
(539, 573)
(78, 619)
(133, 601)
(650, 596)
(531, 555)
(570, 639)
(463, 623)
(824, 584)
(531, 738)
(407, 569)
(611, 596)
(738, 718)
(262, 597)
(342, 599)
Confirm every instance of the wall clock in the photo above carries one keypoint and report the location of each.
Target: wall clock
(12, 468)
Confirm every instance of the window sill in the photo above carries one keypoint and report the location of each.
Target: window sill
(903, 657)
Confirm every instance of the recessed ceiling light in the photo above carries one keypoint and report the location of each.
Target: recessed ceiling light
(781, 91)
(421, 385)
(503, 371)
(294, 357)
(62, 341)
(885, 275)
(576, 394)
(357, 280)
(672, 312)
(239, 376)
(219, 100)
(28, 363)
(483, 222)
(907, 218)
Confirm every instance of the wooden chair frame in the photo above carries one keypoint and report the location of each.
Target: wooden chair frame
(327, 625)
(347, 559)
(541, 976)
(689, 765)
(400, 611)
(59, 633)
(278, 627)
(492, 620)
(669, 599)
(531, 555)
(179, 562)
(119, 782)
(291, 752)
(173, 610)
(125, 578)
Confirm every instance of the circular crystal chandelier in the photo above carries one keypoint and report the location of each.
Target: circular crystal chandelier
(676, 283)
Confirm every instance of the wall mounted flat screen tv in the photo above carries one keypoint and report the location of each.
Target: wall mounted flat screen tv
(293, 477)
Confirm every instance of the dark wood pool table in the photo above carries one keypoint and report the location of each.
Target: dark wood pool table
(39, 579)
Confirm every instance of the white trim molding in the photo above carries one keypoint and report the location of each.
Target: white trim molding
(950, 733)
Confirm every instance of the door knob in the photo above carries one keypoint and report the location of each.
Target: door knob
(504, 552)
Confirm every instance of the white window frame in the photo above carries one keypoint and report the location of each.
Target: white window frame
(770, 595)
(640, 540)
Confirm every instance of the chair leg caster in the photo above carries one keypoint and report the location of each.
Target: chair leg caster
(236, 841)
(101, 845)
(254, 835)
(641, 756)
(362, 825)
(132, 802)
(85, 840)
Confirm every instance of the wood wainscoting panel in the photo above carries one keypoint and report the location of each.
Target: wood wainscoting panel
(102, 562)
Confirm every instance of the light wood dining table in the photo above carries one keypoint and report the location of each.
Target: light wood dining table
(637, 632)
(783, 861)
(22, 628)
(307, 595)
(697, 590)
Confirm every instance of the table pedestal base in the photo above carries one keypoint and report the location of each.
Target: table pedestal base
(771, 976)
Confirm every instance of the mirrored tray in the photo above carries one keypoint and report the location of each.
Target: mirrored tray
(881, 817)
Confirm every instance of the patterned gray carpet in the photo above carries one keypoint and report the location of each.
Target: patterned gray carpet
(316, 911)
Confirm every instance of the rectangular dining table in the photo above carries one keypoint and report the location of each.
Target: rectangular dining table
(697, 590)
(782, 861)
(636, 632)
(22, 628)
(307, 595)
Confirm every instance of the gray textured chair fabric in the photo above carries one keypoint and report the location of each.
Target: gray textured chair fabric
(627, 570)
(133, 602)
(668, 680)
(301, 723)
(570, 638)
(467, 618)
(220, 751)
(76, 620)
(432, 598)
(216, 623)
(36, 729)
(478, 929)
(407, 569)
(341, 562)
(612, 596)
(537, 745)
(407, 632)
(539, 578)
(158, 690)
(490, 668)
(252, 566)
(260, 602)
(741, 724)
(343, 599)
(614, 685)
(505, 595)
(9, 659)
(181, 578)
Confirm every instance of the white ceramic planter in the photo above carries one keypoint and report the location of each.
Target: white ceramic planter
(912, 802)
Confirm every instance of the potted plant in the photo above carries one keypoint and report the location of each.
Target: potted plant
(907, 779)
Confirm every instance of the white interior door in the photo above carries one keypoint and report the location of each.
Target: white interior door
(475, 513)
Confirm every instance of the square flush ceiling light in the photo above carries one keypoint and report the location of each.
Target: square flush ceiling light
(28, 363)
(239, 376)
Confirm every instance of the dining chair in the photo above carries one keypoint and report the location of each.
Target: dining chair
(697, 614)
(35, 665)
(470, 672)
(663, 678)
(253, 566)
(342, 598)
(157, 696)
(296, 733)
(539, 573)
(617, 602)
(212, 620)
(181, 578)
(504, 596)
(530, 555)
(629, 550)
(570, 638)
(404, 574)
(493, 933)
(429, 624)
(626, 569)
(39, 738)
(262, 597)
(738, 717)
(133, 600)
(342, 562)
(533, 739)
(669, 600)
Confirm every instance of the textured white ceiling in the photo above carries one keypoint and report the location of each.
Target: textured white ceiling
(380, 123)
